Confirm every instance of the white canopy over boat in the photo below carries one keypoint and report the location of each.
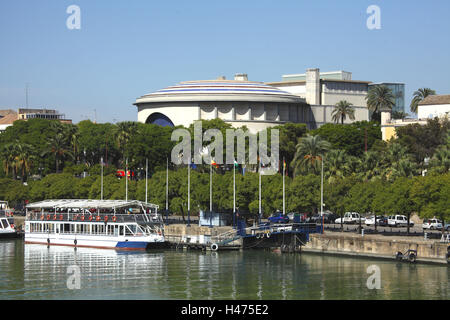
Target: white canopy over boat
(87, 204)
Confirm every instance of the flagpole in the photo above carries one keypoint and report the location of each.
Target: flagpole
(126, 181)
(167, 185)
(146, 179)
(284, 193)
(101, 193)
(210, 196)
(234, 189)
(321, 194)
(189, 192)
(260, 211)
(321, 189)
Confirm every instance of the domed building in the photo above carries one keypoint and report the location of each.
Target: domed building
(238, 102)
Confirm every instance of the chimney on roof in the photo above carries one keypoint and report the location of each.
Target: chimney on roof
(241, 77)
(221, 78)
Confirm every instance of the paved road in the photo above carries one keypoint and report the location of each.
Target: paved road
(415, 229)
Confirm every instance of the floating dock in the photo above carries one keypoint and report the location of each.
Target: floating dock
(287, 237)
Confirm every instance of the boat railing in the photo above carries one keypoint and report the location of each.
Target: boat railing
(141, 218)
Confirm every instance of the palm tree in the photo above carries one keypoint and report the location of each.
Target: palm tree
(380, 98)
(24, 159)
(440, 162)
(404, 167)
(341, 110)
(8, 154)
(309, 152)
(73, 138)
(369, 167)
(418, 96)
(124, 132)
(337, 165)
(59, 147)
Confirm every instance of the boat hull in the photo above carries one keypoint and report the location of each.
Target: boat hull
(84, 241)
(9, 235)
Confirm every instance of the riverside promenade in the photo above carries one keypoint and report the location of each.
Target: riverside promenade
(376, 245)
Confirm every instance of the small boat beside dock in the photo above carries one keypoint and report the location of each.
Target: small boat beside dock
(7, 228)
(106, 224)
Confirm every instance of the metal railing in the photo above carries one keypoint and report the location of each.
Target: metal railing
(100, 217)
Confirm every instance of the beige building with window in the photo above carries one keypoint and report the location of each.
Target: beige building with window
(431, 107)
(323, 90)
(7, 117)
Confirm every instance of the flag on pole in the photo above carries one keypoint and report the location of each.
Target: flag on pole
(213, 163)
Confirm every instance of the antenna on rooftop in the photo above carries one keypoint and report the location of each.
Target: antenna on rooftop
(26, 94)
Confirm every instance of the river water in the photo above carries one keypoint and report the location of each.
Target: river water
(37, 272)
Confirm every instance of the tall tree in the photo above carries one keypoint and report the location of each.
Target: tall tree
(58, 146)
(342, 110)
(336, 165)
(380, 98)
(418, 96)
(309, 153)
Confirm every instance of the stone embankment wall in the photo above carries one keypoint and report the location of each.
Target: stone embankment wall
(376, 246)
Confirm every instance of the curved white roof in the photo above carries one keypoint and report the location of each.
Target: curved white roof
(220, 90)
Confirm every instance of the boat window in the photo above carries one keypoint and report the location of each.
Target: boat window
(129, 230)
(66, 228)
(1, 223)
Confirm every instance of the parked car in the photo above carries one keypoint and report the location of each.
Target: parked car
(330, 218)
(381, 221)
(327, 217)
(278, 218)
(350, 217)
(447, 226)
(297, 217)
(432, 224)
(399, 220)
(314, 219)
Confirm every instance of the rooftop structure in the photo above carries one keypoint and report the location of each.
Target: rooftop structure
(7, 117)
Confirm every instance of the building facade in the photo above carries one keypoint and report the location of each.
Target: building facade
(434, 106)
(398, 90)
(239, 102)
(323, 90)
(7, 117)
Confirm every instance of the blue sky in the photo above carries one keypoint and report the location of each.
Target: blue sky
(125, 49)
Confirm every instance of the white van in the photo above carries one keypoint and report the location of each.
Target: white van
(432, 224)
(399, 221)
(350, 217)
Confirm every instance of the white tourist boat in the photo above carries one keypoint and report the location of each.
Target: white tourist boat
(109, 224)
(7, 229)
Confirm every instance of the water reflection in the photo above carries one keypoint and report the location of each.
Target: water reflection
(38, 272)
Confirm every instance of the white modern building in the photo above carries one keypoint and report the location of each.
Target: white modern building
(238, 102)
(308, 98)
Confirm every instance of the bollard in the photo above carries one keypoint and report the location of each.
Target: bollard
(362, 232)
(425, 236)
